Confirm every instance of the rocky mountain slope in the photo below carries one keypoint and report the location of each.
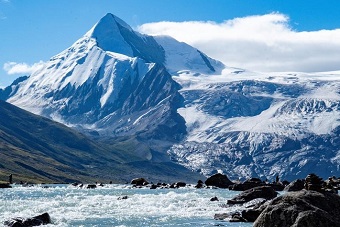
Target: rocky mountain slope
(122, 87)
(248, 124)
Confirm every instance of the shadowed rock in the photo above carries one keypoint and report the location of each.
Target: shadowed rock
(5, 186)
(265, 192)
(34, 221)
(219, 180)
(302, 208)
(294, 186)
(139, 181)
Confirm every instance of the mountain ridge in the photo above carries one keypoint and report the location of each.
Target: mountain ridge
(176, 103)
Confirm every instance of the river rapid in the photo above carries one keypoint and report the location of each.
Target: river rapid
(71, 206)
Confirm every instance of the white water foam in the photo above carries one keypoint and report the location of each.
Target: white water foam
(69, 206)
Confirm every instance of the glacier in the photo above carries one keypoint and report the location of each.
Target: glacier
(254, 124)
(186, 107)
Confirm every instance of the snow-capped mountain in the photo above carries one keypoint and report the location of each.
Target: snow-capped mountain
(115, 82)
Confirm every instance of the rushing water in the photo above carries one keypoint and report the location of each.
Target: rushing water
(70, 206)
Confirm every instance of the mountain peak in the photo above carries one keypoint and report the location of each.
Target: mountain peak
(113, 34)
(107, 33)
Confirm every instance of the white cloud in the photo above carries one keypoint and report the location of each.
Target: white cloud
(22, 68)
(261, 42)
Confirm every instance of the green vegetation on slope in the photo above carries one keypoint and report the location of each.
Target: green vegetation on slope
(38, 150)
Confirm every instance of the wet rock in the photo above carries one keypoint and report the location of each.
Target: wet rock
(122, 197)
(237, 217)
(139, 182)
(222, 216)
(5, 186)
(265, 192)
(199, 184)
(250, 215)
(91, 186)
(154, 186)
(219, 180)
(214, 199)
(294, 186)
(180, 184)
(34, 221)
(301, 208)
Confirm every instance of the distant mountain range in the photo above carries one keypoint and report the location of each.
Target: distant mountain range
(163, 101)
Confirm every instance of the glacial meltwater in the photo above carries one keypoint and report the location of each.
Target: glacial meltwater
(104, 206)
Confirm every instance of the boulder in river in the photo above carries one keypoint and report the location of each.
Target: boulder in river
(34, 221)
(139, 181)
(302, 208)
(5, 185)
(265, 192)
(219, 180)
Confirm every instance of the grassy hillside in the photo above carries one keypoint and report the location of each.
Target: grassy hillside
(36, 149)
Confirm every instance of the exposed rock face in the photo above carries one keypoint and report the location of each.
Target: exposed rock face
(265, 192)
(219, 180)
(303, 208)
(294, 186)
(34, 221)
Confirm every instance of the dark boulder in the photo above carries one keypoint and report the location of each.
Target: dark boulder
(35, 221)
(277, 186)
(250, 215)
(139, 182)
(123, 197)
(5, 186)
(237, 217)
(180, 184)
(154, 186)
(253, 183)
(214, 199)
(302, 208)
(91, 186)
(219, 180)
(294, 186)
(199, 184)
(265, 192)
(313, 182)
(247, 184)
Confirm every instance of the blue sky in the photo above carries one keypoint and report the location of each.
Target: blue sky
(33, 31)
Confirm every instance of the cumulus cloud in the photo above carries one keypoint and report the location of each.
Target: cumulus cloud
(260, 42)
(22, 68)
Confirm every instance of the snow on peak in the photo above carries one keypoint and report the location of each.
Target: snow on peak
(107, 33)
(181, 56)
